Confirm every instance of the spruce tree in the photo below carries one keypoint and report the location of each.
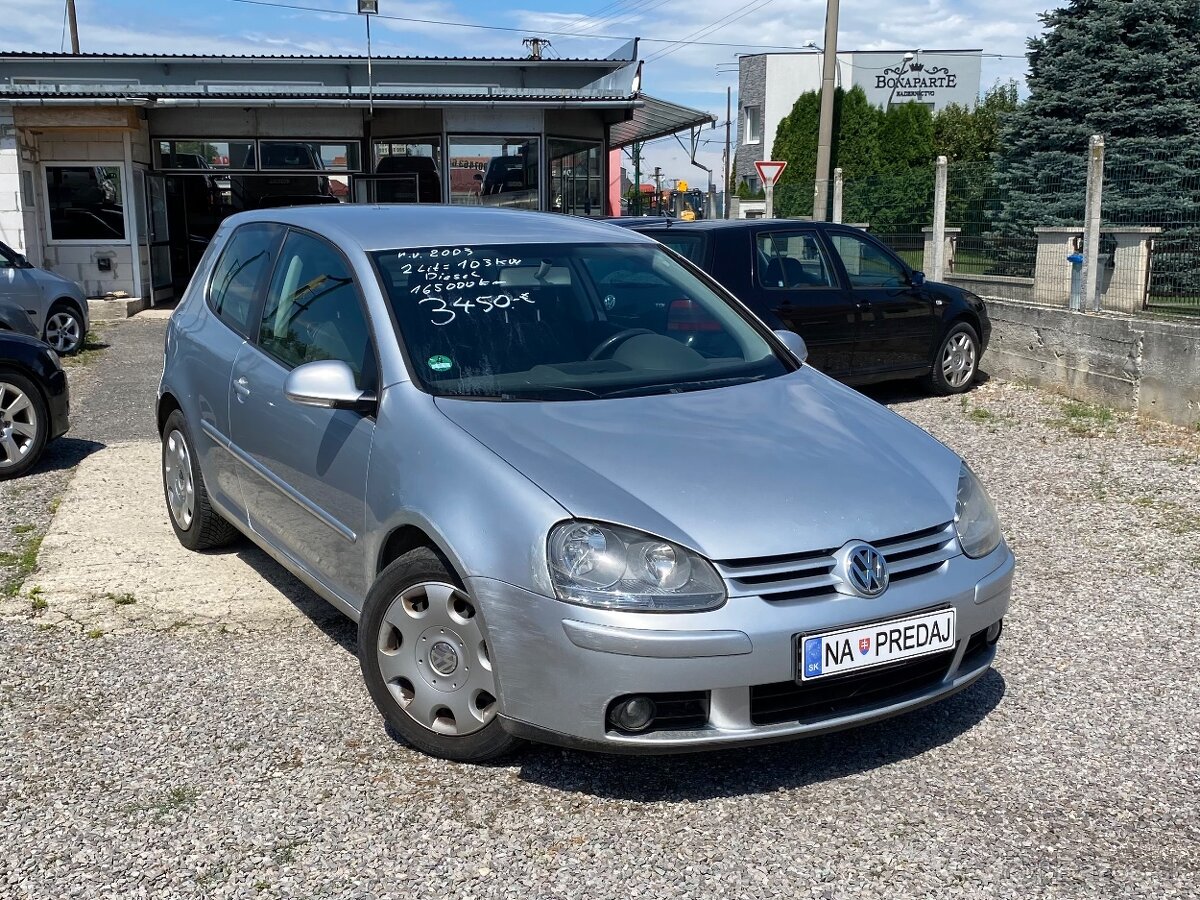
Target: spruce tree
(1129, 70)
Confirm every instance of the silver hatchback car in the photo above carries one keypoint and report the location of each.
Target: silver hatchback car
(570, 489)
(56, 306)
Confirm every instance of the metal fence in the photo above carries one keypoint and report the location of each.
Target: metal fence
(1029, 240)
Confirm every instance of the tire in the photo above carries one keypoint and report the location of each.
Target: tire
(198, 527)
(424, 659)
(64, 329)
(24, 424)
(956, 364)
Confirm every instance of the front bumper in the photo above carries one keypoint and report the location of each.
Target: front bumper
(559, 666)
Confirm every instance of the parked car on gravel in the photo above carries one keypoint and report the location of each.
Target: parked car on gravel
(488, 437)
(34, 402)
(56, 304)
(864, 313)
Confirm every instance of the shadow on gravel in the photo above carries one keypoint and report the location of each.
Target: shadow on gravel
(891, 393)
(755, 770)
(65, 453)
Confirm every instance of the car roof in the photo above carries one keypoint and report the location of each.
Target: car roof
(390, 226)
(735, 224)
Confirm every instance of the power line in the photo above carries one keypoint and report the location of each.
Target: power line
(712, 27)
(609, 37)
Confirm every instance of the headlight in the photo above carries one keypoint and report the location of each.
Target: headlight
(975, 518)
(611, 567)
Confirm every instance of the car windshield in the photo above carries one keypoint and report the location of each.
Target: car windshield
(567, 322)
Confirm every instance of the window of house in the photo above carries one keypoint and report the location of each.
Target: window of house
(753, 128)
(203, 155)
(405, 171)
(86, 203)
(494, 171)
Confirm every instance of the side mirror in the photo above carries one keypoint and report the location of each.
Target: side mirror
(917, 278)
(794, 343)
(328, 384)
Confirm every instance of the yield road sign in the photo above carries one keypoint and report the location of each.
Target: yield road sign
(769, 170)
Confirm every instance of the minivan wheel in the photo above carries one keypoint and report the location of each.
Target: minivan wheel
(24, 424)
(197, 525)
(957, 360)
(425, 659)
(64, 328)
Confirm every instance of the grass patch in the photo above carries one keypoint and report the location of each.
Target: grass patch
(23, 529)
(22, 562)
(96, 633)
(93, 347)
(1083, 419)
(1174, 517)
(125, 599)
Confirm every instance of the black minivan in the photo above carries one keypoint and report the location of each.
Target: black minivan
(863, 312)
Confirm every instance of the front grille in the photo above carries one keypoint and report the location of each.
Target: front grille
(804, 576)
(842, 695)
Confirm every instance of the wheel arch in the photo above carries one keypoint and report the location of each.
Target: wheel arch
(405, 538)
(167, 404)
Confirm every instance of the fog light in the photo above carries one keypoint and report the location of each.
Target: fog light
(993, 632)
(633, 714)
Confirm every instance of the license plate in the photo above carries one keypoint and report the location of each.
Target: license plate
(865, 646)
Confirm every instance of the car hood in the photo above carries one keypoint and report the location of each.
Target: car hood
(787, 465)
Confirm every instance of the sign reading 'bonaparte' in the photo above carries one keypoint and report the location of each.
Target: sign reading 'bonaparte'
(916, 82)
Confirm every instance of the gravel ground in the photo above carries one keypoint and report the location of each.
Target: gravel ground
(200, 763)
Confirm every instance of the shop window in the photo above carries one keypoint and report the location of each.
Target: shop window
(576, 177)
(308, 156)
(404, 172)
(753, 128)
(203, 155)
(494, 171)
(86, 203)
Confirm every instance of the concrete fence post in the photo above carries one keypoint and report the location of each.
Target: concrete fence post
(837, 195)
(939, 220)
(1091, 223)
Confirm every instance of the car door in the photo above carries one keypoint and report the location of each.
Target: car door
(18, 284)
(233, 295)
(800, 286)
(305, 468)
(898, 320)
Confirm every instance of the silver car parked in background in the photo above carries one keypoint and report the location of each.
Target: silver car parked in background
(56, 305)
(570, 489)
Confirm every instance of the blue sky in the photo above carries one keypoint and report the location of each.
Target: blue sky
(695, 75)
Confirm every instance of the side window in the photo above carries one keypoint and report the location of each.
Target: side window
(867, 266)
(244, 262)
(791, 260)
(313, 312)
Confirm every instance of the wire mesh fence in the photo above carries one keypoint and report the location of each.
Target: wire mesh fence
(1022, 238)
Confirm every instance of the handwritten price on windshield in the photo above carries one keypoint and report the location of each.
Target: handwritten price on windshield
(487, 304)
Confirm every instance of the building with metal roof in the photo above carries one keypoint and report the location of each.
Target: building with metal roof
(116, 169)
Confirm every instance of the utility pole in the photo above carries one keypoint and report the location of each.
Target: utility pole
(637, 179)
(74, 27)
(535, 45)
(369, 8)
(728, 152)
(825, 132)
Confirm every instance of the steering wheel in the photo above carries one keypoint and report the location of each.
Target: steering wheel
(612, 340)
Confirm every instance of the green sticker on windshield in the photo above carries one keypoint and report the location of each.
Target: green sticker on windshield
(440, 363)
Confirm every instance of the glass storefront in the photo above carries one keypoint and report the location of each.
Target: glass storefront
(404, 171)
(576, 177)
(494, 171)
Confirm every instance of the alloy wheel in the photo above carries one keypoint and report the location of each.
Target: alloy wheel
(434, 659)
(64, 332)
(18, 425)
(958, 360)
(177, 476)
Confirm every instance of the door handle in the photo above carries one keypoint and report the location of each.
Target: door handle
(242, 386)
(863, 305)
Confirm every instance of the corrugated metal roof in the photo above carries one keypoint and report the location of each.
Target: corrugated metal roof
(234, 93)
(657, 118)
(19, 54)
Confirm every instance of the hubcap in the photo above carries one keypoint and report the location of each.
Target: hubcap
(18, 425)
(177, 476)
(63, 332)
(958, 360)
(434, 660)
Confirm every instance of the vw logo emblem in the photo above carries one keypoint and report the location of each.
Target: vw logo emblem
(867, 570)
(443, 658)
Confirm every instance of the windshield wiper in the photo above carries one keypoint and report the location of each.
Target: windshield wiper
(677, 387)
(533, 395)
